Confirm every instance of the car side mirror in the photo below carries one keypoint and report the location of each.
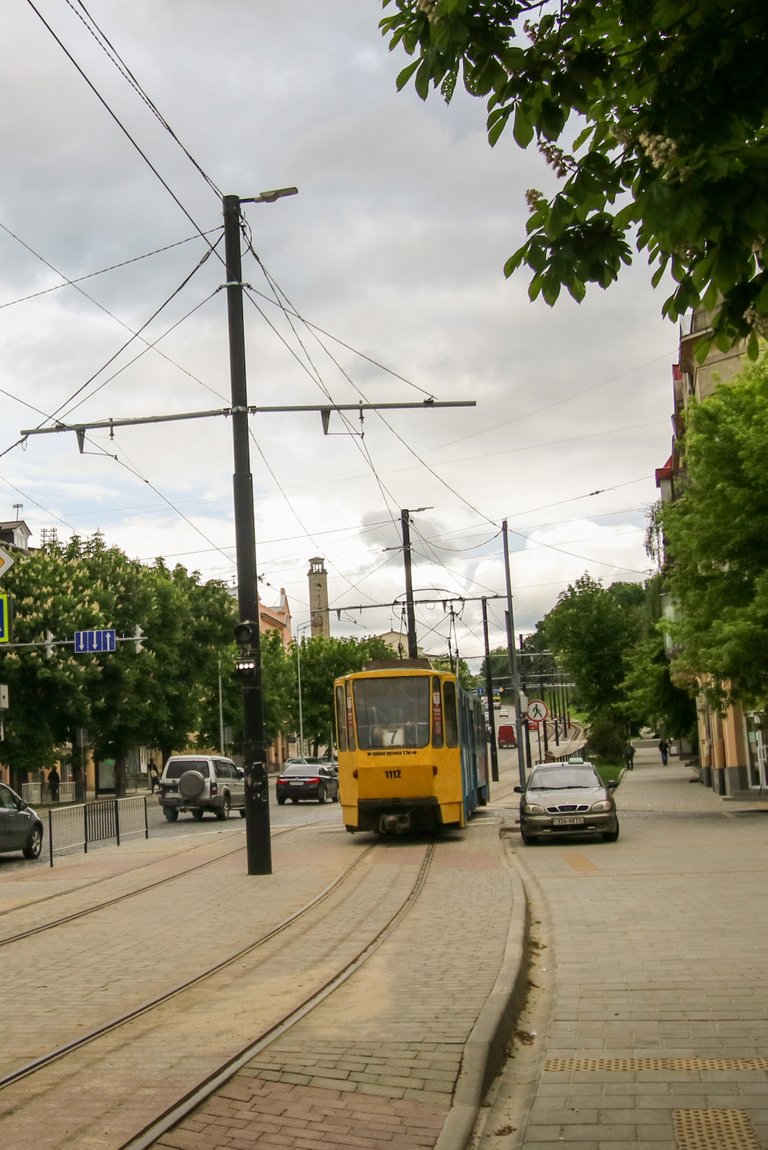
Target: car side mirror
(612, 783)
(519, 790)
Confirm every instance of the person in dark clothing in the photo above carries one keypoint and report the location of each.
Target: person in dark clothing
(664, 751)
(54, 781)
(154, 778)
(629, 757)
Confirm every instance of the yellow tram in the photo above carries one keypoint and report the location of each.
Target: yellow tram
(412, 748)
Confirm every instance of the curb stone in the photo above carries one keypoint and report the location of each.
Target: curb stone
(485, 1053)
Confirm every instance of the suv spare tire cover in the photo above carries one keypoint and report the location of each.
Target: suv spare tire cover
(191, 784)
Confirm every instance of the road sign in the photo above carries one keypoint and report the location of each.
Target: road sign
(6, 562)
(533, 725)
(537, 709)
(5, 618)
(95, 641)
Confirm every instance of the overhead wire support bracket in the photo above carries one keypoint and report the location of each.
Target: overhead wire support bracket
(325, 410)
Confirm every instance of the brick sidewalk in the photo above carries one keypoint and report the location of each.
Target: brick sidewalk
(651, 1019)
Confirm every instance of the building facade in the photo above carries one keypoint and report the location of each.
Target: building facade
(732, 748)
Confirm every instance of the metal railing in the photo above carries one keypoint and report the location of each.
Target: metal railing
(32, 793)
(78, 825)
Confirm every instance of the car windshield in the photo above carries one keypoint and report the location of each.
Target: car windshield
(294, 769)
(563, 779)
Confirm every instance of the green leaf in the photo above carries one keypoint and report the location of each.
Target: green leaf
(404, 76)
(522, 129)
(423, 77)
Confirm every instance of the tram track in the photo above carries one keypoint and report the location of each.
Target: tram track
(94, 908)
(372, 907)
(145, 1139)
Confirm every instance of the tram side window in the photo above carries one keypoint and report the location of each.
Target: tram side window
(450, 715)
(341, 720)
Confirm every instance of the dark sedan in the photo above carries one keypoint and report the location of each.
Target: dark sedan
(567, 799)
(306, 780)
(20, 828)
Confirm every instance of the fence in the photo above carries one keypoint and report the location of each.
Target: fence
(32, 793)
(79, 825)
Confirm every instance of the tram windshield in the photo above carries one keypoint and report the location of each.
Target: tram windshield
(392, 712)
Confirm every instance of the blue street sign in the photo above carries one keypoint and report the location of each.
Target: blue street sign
(95, 641)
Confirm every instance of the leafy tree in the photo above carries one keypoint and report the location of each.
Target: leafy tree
(190, 635)
(123, 698)
(652, 698)
(653, 115)
(462, 670)
(716, 537)
(62, 589)
(592, 629)
(499, 664)
(278, 683)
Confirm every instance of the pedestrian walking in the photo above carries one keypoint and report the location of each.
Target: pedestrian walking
(154, 778)
(664, 751)
(629, 757)
(54, 781)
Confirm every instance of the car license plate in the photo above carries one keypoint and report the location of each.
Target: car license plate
(568, 821)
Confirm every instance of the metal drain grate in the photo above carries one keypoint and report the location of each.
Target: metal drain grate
(618, 1065)
(581, 863)
(714, 1130)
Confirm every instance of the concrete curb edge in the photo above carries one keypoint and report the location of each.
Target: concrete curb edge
(485, 1052)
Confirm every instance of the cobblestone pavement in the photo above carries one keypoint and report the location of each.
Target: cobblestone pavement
(647, 1021)
(380, 1064)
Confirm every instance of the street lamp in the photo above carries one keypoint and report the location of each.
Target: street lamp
(247, 635)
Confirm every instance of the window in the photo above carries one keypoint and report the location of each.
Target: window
(450, 714)
(341, 719)
(392, 712)
(175, 768)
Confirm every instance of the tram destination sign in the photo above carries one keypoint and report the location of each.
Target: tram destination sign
(86, 641)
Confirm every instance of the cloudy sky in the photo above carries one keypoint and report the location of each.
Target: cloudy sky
(380, 282)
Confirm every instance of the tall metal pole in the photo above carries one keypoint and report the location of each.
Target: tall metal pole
(257, 830)
(489, 697)
(413, 651)
(298, 683)
(514, 668)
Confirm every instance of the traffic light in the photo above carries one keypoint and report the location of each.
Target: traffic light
(49, 644)
(246, 667)
(247, 634)
(138, 635)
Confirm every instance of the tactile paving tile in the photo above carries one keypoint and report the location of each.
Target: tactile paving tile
(618, 1065)
(581, 863)
(714, 1130)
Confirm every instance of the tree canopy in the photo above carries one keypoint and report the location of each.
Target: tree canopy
(593, 629)
(652, 113)
(716, 536)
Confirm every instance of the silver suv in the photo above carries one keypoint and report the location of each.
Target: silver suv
(200, 783)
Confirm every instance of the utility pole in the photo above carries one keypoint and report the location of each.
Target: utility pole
(489, 697)
(405, 521)
(514, 668)
(247, 632)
